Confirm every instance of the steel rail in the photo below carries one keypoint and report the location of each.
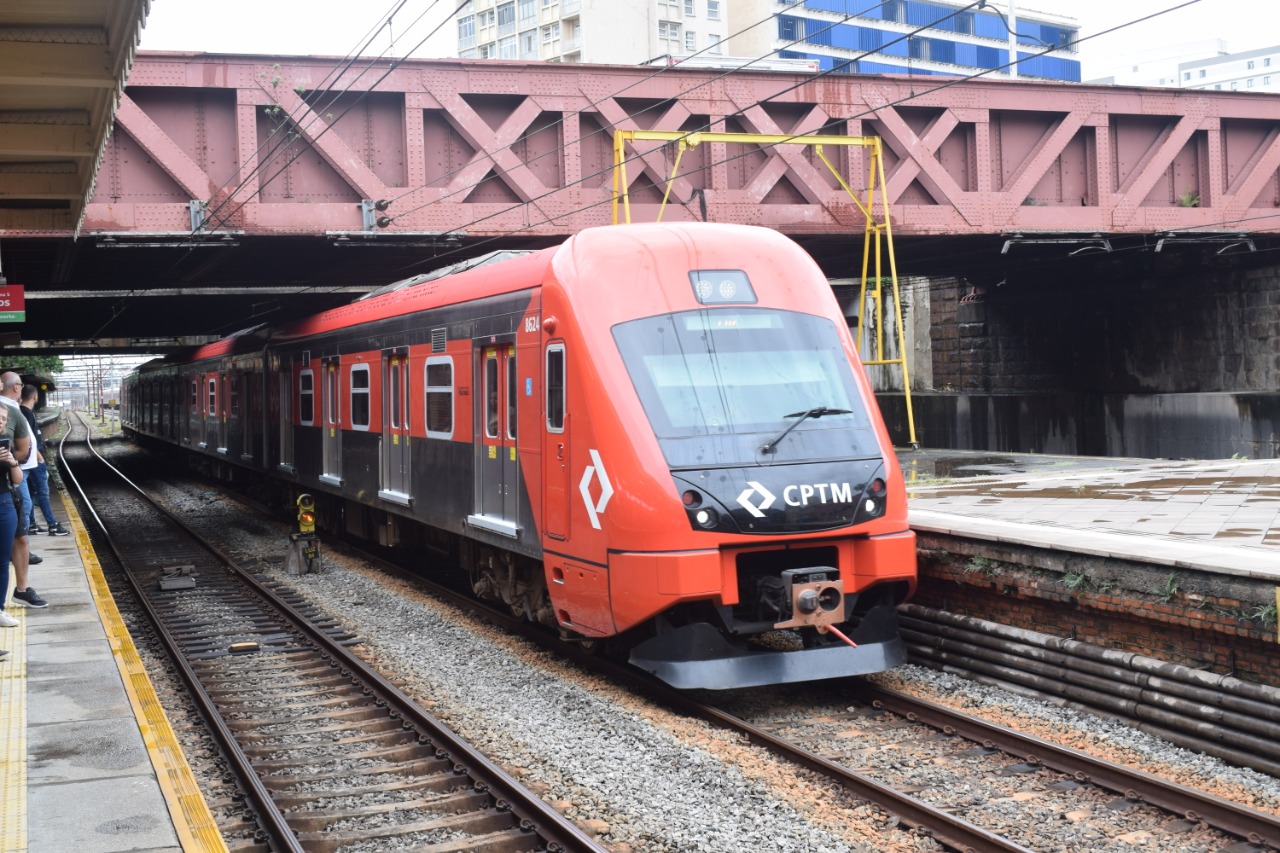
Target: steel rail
(1257, 827)
(534, 816)
(272, 825)
(954, 832)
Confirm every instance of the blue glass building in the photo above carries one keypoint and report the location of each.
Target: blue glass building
(918, 37)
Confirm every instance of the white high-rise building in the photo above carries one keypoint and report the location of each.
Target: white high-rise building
(627, 32)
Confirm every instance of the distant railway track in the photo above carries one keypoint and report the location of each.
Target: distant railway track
(326, 751)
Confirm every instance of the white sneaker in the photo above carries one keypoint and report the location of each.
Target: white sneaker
(7, 621)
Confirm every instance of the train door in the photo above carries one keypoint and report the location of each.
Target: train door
(555, 449)
(193, 419)
(284, 411)
(497, 488)
(396, 458)
(331, 408)
(225, 383)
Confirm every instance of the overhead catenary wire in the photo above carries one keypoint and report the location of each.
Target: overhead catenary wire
(827, 127)
(553, 151)
(915, 95)
(316, 113)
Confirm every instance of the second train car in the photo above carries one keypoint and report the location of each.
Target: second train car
(658, 435)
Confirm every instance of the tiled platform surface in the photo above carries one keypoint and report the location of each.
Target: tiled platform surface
(1221, 515)
(77, 773)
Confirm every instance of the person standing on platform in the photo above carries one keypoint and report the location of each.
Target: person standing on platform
(38, 477)
(24, 452)
(8, 517)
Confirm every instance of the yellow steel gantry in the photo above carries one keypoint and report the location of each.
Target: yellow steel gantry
(877, 232)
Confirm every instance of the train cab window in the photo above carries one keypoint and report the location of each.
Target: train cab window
(213, 396)
(306, 398)
(735, 378)
(332, 411)
(491, 394)
(555, 388)
(360, 396)
(439, 392)
(511, 393)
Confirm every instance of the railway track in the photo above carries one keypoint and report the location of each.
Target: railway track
(327, 753)
(1007, 791)
(1026, 777)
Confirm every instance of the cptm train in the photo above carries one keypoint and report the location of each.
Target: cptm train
(659, 434)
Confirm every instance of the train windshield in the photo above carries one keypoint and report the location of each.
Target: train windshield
(719, 384)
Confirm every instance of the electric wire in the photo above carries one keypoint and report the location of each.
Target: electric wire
(727, 73)
(808, 79)
(490, 154)
(316, 113)
(828, 126)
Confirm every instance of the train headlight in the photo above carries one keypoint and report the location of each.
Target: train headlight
(706, 518)
(874, 498)
(692, 499)
(306, 514)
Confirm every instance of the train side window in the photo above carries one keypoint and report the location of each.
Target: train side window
(233, 383)
(439, 390)
(491, 394)
(360, 396)
(555, 388)
(307, 398)
(511, 393)
(332, 411)
(213, 396)
(393, 391)
(195, 396)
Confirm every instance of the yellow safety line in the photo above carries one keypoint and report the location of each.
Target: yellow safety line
(13, 728)
(192, 819)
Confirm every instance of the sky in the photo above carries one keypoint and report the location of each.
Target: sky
(337, 27)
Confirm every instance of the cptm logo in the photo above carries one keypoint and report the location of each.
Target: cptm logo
(794, 495)
(595, 508)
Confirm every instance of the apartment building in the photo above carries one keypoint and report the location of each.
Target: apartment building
(627, 32)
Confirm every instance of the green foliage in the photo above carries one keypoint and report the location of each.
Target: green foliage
(1167, 590)
(1265, 614)
(41, 365)
(1190, 198)
(981, 566)
(1077, 581)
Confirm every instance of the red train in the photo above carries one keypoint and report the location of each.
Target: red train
(656, 433)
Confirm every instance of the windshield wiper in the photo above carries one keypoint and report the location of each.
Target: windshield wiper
(771, 445)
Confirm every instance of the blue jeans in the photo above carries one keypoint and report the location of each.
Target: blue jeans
(8, 526)
(38, 485)
(24, 488)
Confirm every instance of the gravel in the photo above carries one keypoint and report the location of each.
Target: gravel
(640, 778)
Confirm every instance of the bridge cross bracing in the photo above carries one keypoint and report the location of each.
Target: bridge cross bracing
(497, 148)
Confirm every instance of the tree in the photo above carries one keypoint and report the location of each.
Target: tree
(40, 365)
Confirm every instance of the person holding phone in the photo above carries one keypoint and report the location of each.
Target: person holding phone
(8, 516)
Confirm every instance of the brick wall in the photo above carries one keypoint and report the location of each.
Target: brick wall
(1197, 619)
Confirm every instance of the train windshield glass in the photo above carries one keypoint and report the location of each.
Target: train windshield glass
(720, 383)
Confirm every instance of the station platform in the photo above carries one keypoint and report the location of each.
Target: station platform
(1218, 516)
(91, 764)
